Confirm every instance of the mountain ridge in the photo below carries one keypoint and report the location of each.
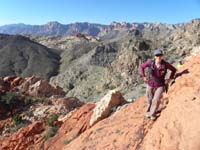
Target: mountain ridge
(95, 29)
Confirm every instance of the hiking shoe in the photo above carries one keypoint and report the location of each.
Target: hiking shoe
(147, 115)
(153, 118)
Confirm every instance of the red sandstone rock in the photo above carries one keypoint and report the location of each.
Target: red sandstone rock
(176, 129)
(72, 127)
(124, 129)
(35, 86)
(16, 82)
(25, 137)
(68, 103)
(43, 88)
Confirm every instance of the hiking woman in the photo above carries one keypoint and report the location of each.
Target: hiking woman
(156, 81)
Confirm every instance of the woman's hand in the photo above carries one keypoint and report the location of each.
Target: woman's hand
(145, 79)
(167, 81)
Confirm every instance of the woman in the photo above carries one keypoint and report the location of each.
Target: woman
(156, 81)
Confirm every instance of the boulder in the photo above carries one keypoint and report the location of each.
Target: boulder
(59, 106)
(68, 103)
(35, 86)
(104, 107)
(16, 82)
(43, 88)
(9, 78)
(24, 87)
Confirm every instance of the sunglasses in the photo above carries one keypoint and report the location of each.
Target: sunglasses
(159, 55)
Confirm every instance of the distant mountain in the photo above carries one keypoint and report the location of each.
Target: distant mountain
(22, 57)
(55, 28)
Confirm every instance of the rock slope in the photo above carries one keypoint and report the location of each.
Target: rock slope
(176, 128)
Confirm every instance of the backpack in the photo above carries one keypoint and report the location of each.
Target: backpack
(152, 68)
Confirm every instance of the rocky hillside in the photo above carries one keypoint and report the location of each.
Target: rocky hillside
(89, 66)
(112, 123)
(22, 57)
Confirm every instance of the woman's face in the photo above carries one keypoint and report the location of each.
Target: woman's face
(158, 58)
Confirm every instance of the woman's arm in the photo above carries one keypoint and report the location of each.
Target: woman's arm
(172, 69)
(143, 66)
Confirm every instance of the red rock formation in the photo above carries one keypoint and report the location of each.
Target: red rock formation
(176, 128)
(9, 78)
(29, 136)
(43, 88)
(72, 127)
(122, 130)
(33, 86)
(68, 103)
(16, 82)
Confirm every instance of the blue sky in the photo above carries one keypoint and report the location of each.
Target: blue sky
(98, 11)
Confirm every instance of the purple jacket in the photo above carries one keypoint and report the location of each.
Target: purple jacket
(157, 74)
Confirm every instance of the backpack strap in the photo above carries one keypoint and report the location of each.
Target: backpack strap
(152, 68)
(163, 63)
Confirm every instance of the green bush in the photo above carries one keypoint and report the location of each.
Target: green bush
(18, 126)
(53, 117)
(10, 98)
(29, 113)
(51, 132)
(19, 122)
(17, 119)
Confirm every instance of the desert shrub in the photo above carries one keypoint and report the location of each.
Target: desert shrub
(29, 113)
(17, 119)
(52, 118)
(18, 126)
(19, 122)
(10, 98)
(50, 133)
